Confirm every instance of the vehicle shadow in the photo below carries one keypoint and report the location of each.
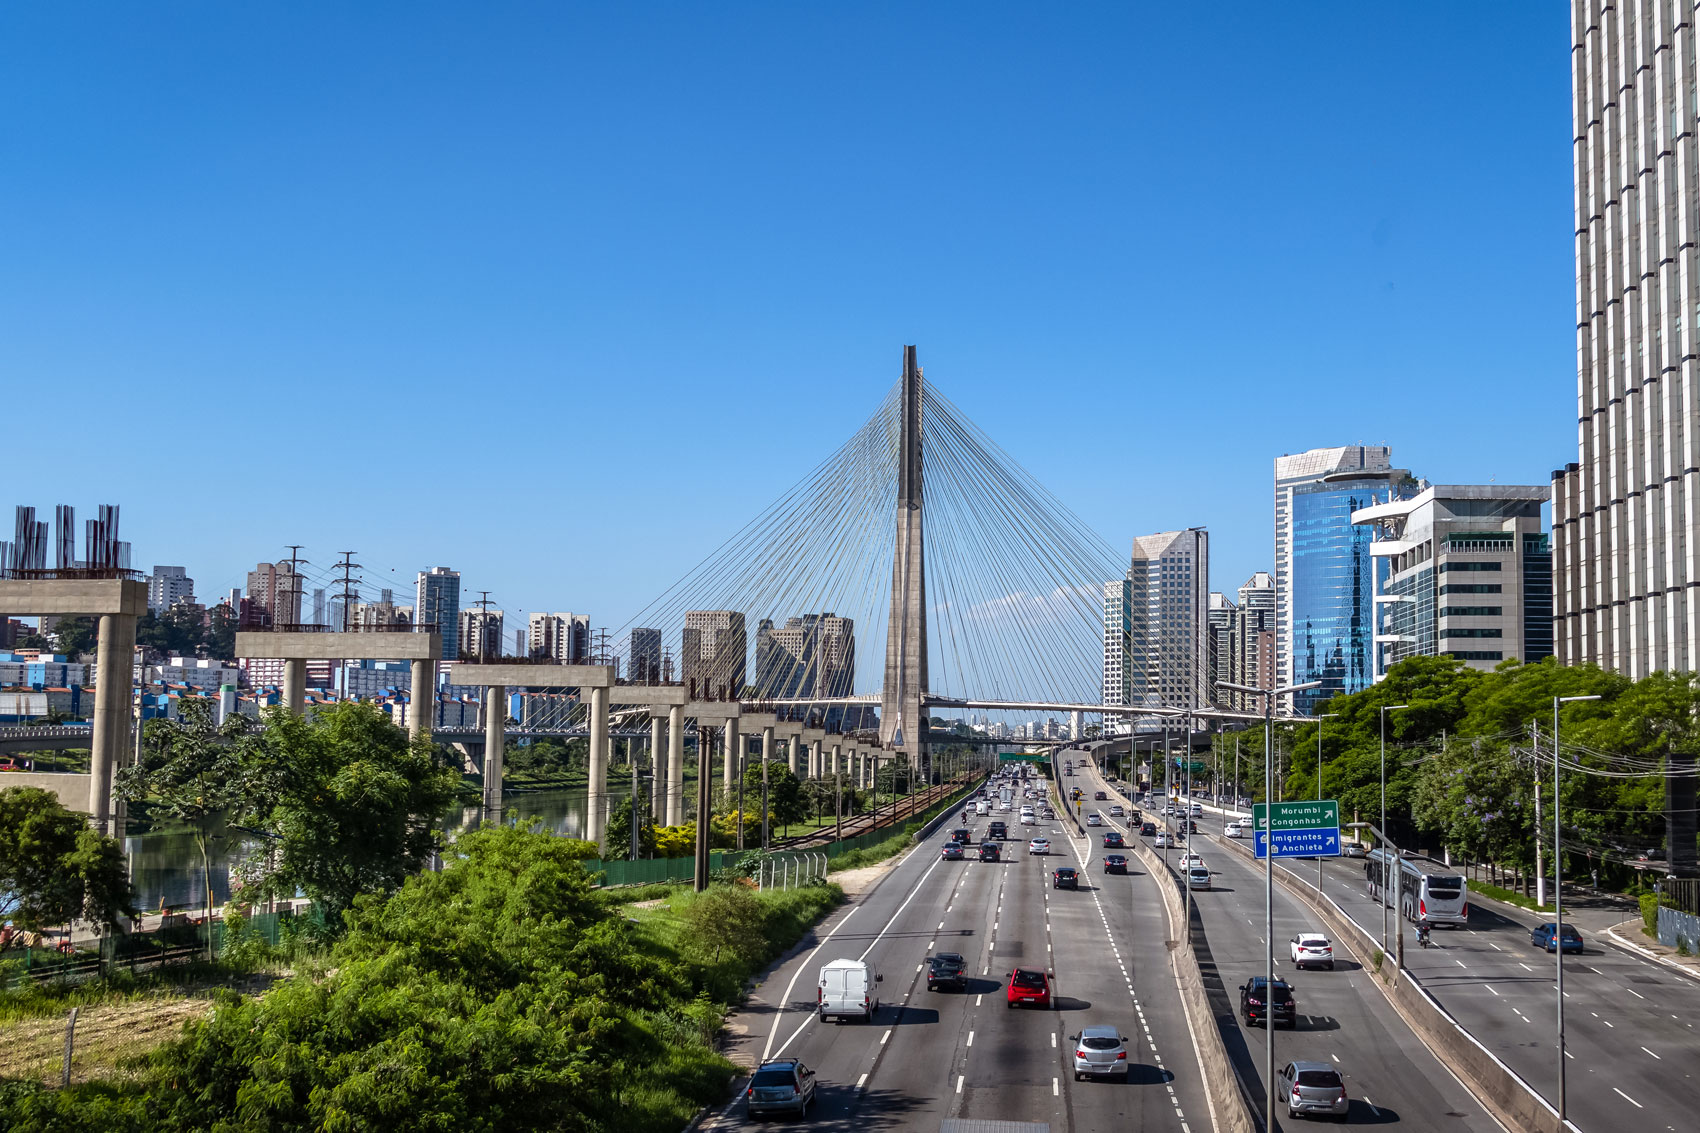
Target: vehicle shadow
(979, 986)
(1362, 1113)
(843, 1109)
(912, 1016)
(1145, 1074)
(1069, 1003)
(1317, 1023)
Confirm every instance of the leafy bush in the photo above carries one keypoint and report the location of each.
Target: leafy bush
(1650, 913)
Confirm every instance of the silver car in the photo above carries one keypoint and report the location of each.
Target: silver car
(1312, 1088)
(1099, 1051)
(780, 1085)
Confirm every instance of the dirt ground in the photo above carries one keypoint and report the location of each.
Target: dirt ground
(106, 1038)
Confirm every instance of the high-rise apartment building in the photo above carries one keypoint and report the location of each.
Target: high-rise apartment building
(436, 601)
(481, 633)
(1221, 654)
(645, 656)
(562, 638)
(1169, 582)
(1242, 643)
(812, 655)
(1324, 576)
(1466, 571)
(380, 615)
(166, 585)
(1626, 513)
(1116, 687)
(274, 591)
(714, 652)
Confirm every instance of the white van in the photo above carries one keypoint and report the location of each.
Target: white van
(982, 807)
(848, 989)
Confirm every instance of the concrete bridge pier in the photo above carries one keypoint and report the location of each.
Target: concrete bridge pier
(836, 749)
(596, 802)
(657, 773)
(675, 764)
(110, 743)
(495, 736)
(766, 749)
(422, 698)
(295, 685)
(792, 755)
(729, 762)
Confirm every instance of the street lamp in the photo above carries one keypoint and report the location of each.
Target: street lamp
(1558, 894)
(1268, 696)
(1319, 720)
(1385, 709)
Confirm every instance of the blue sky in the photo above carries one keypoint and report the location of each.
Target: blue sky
(561, 295)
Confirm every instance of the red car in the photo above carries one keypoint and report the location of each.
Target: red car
(1029, 987)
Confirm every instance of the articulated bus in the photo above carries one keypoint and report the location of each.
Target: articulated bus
(1427, 888)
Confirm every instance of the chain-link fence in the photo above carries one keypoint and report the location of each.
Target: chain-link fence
(106, 1041)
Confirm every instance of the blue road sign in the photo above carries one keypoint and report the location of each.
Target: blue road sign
(1323, 841)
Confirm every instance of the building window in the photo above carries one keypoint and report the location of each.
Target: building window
(1445, 567)
(1472, 611)
(1476, 654)
(1472, 633)
(1472, 588)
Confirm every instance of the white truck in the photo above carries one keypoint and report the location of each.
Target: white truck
(848, 989)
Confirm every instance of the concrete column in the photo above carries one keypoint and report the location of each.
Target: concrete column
(495, 738)
(730, 759)
(657, 773)
(596, 802)
(295, 685)
(766, 747)
(422, 699)
(791, 753)
(817, 770)
(836, 749)
(110, 743)
(676, 764)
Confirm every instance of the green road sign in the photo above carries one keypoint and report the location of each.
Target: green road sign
(1024, 756)
(1308, 815)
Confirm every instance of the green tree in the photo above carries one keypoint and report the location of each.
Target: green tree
(726, 919)
(785, 803)
(619, 837)
(219, 639)
(72, 636)
(54, 867)
(197, 772)
(350, 800)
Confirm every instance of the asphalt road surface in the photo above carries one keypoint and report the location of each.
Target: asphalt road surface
(930, 1056)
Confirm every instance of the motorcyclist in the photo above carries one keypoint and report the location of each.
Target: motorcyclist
(1423, 929)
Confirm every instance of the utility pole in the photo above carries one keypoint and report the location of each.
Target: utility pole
(296, 562)
(483, 605)
(1540, 867)
(348, 566)
(701, 879)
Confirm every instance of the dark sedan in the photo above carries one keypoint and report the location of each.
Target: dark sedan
(1568, 938)
(1113, 839)
(1115, 863)
(990, 852)
(1065, 877)
(1148, 828)
(952, 852)
(947, 969)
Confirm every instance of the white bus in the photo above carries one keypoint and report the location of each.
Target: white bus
(1427, 888)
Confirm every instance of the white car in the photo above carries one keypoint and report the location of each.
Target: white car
(1039, 846)
(1353, 850)
(1094, 819)
(1234, 830)
(1164, 840)
(1190, 860)
(1028, 819)
(1311, 948)
(1116, 811)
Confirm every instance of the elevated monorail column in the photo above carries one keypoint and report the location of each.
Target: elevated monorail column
(596, 800)
(766, 750)
(115, 660)
(837, 750)
(495, 735)
(815, 771)
(657, 776)
(729, 762)
(792, 756)
(675, 764)
(295, 685)
(422, 699)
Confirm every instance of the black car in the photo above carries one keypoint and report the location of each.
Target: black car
(1065, 877)
(962, 834)
(997, 830)
(1115, 863)
(990, 852)
(1113, 839)
(1099, 795)
(1149, 829)
(947, 969)
(1252, 1002)
(1133, 818)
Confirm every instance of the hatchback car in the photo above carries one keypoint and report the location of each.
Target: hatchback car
(952, 852)
(1113, 839)
(947, 969)
(1039, 846)
(1568, 939)
(1163, 840)
(1311, 949)
(1148, 828)
(990, 852)
(1065, 877)
(1116, 810)
(1099, 795)
(1254, 1008)
(1312, 1088)
(783, 1085)
(1028, 987)
(1094, 819)
(1234, 830)
(1028, 819)
(1099, 1051)
(1115, 863)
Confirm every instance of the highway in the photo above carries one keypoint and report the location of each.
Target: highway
(1629, 1023)
(931, 1056)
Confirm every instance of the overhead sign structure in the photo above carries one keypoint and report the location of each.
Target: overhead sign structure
(1024, 756)
(1306, 829)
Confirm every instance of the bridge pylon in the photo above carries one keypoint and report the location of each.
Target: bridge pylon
(903, 721)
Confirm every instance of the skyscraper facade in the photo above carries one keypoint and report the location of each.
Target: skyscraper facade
(563, 638)
(1168, 643)
(274, 591)
(812, 655)
(1626, 513)
(714, 652)
(1115, 686)
(481, 633)
(436, 601)
(1466, 571)
(166, 585)
(1324, 574)
(645, 666)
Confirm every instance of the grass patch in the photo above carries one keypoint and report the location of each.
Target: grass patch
(1509, 896)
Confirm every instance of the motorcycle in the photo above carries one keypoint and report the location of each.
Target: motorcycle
(1423, 932)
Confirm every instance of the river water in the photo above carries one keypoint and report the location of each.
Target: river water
(165, 867)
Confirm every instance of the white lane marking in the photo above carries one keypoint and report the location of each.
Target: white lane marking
(1055, 1091)
(979, 999)
(860, 1082)
(918, 886)
(959, 1083)
(1524, 966)
(1490, 988)
(1495, 947)
(970, 1041)
(1654, 1055)
(800, 969)
(1054, 1042)
(1635, 993)
(1627, 1098)
(1372, 1108)
(1608, 1023)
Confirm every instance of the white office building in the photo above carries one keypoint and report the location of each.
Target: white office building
(1169, 584)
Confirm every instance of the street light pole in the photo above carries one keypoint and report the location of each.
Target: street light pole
(1269, 696)
(1385, 709)
(1558, 895)
(1319, 720)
